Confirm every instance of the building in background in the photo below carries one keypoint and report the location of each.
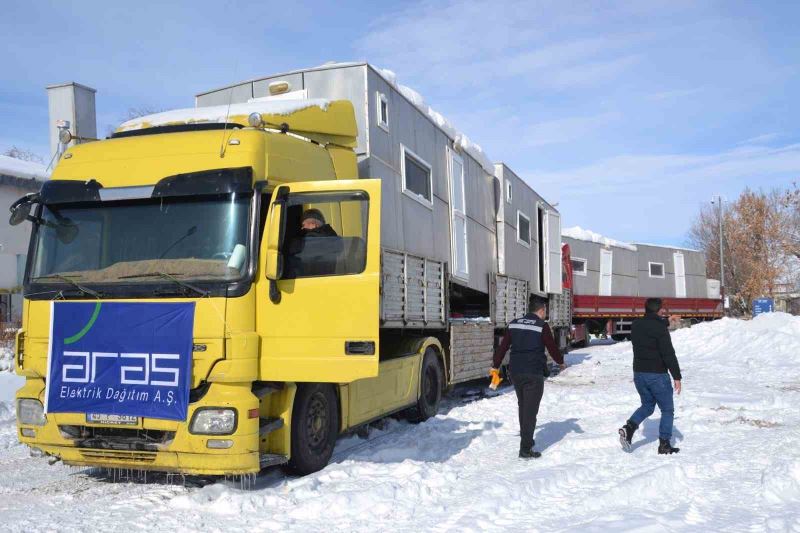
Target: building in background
(17, 178)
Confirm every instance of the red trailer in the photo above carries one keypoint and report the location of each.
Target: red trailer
(613, 315)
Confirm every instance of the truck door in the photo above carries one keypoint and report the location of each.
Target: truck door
(318, 290)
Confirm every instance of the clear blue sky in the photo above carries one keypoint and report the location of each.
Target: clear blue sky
(631, 115)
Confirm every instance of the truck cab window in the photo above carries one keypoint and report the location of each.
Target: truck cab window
(326, 235)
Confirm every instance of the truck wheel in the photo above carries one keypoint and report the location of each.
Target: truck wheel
(430, 389)
(315, 427)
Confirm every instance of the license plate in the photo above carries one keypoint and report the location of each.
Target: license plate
(113, 420)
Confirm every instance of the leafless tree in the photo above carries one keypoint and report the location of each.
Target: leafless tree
(23, 154)
(755, 245)
(132, 113)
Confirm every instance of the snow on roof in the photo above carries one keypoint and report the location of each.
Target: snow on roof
(459, 139)
(11, 166)
(585, 235)
(220, 113)
(667, 246)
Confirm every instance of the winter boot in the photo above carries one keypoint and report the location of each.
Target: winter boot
(529, 453)
(626, 435)
(665, 448)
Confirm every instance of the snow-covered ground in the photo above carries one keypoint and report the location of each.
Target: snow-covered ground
(738, 469)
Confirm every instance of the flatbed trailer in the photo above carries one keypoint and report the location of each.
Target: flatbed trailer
(613, 315)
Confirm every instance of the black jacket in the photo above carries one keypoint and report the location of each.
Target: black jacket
(652, 347)
(528, 337)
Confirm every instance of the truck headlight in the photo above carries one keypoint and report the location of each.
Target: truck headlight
(213, 421)
(30, 412)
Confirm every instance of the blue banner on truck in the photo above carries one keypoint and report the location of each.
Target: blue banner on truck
(120, 359)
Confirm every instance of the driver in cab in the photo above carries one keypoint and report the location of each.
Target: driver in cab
(315, 248)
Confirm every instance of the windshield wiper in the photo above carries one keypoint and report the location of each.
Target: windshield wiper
(170, 277)
(85, 290)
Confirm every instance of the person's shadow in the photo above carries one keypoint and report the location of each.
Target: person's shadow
(649, 430)
(552, 432)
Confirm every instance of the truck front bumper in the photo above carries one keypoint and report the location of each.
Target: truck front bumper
(175, 449)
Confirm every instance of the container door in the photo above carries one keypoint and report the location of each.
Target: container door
(318, 318)
(606, 257)
(458, 217)
(554, 252)
(680, 276)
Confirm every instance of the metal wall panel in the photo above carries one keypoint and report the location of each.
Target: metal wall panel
(559, 312)
(342, 83)
(73, 102)
(520, 261)
(694, 263)
(510, 299)
(585, 250)
(261, 87)
(696, 287)
(624, 285)
(418, 227)
(412, 291)
(482, 261)
(235, 95)
(391, 229)
(382, 140)
(471, 349)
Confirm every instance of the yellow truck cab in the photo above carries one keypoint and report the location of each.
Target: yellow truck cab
(203, 210)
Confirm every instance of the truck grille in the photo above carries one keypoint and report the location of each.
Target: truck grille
(118, 455)
(114, 438)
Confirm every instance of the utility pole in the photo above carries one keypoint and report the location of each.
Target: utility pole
(721, 253)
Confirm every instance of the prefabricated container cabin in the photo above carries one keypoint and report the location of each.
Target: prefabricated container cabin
(607, 268)
(441, 198)
(667, 271)
(441, 209)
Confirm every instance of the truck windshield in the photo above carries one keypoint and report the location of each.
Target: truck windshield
(137, 241)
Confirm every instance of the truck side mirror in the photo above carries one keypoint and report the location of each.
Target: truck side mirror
(275, 230)
(21, 209)
(19, 213)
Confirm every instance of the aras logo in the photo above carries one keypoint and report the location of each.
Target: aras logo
(86, 371)
(121, 358)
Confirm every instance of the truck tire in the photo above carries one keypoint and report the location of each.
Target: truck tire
(315, 427)
(619, 337)
(430, 389)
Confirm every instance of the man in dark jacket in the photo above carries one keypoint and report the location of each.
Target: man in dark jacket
(315, 248)
(528, 337)
(653, 356)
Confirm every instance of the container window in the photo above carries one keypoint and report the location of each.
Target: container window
(508, 192)
(656, 270)
(578, 266)
(523, 229)
(383, 111)
(416, 177)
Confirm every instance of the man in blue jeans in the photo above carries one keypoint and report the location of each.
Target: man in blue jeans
(653, 356)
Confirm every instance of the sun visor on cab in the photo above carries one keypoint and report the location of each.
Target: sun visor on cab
(205, 182)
